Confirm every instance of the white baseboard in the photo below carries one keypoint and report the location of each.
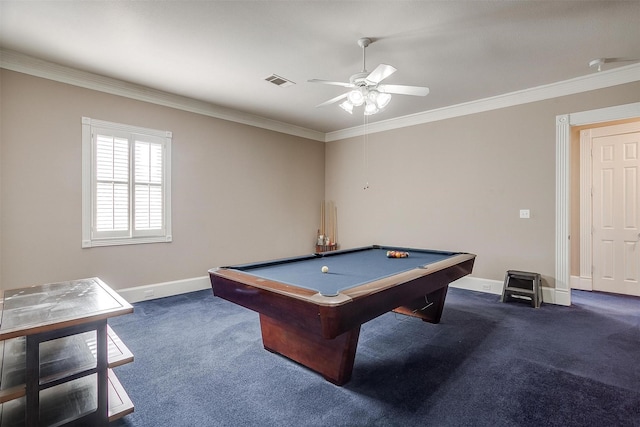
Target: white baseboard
(166, 289)
(558, 296)
(582, 283)
(480, 285)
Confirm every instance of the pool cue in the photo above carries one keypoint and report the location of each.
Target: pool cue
(329, 221)
(333, 237)
(336, 227)
(333, 223)
(322, 219)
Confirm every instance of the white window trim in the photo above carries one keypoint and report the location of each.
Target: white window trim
(88, 240)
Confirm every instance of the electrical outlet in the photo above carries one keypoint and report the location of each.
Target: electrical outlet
(525, 213)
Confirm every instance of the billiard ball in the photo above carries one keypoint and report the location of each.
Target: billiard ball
(325, 269)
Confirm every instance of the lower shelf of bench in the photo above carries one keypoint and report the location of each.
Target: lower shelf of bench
(60, 357)
(69, 401)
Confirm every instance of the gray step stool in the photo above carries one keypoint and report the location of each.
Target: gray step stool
(523, 285)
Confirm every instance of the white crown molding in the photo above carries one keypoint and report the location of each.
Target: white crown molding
(18, 62)
(598, 80)
(21, 63)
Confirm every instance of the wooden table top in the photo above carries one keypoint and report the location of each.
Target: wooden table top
(53, 306)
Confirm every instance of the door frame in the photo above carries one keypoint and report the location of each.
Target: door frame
(562, 290)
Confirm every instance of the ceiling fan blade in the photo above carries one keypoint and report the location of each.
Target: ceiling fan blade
(381, 72)
(404, 90)
(333, 100)
(327, 82)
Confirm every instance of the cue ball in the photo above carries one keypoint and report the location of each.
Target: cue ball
(325, 269)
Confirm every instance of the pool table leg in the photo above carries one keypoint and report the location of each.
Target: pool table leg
(428, 308)
(332, 358)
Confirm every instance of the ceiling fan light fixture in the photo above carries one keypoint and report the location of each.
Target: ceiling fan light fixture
(347, 106)
(356, 97)
(370, 109)
(383, 99)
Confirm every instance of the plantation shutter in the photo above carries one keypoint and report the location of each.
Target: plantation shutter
(112, 186)
(148, 186)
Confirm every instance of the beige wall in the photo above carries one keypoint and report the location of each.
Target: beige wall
(239, 193)
(458, 184)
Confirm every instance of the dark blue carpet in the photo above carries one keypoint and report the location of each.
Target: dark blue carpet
(199, 361)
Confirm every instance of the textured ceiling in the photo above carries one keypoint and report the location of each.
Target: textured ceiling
(220, 52)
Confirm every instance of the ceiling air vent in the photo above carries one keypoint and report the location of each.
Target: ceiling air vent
(279, 81)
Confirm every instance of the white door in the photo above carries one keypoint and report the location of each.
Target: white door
(616, 210)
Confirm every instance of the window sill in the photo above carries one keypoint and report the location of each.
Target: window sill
(127, 241)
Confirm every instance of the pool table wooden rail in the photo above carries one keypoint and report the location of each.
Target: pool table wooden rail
(335, 315)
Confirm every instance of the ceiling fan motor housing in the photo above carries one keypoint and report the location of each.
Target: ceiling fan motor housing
(358, 79)
(364, 42)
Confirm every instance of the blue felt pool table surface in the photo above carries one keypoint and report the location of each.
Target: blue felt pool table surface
(347, 269)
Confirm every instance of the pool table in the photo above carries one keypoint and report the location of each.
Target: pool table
(314, 318)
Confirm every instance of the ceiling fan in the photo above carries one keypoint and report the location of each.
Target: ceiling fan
(366, 87)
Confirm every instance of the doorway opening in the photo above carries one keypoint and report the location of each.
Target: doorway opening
(564, 125)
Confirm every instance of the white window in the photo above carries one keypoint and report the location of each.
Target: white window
(126, 184)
